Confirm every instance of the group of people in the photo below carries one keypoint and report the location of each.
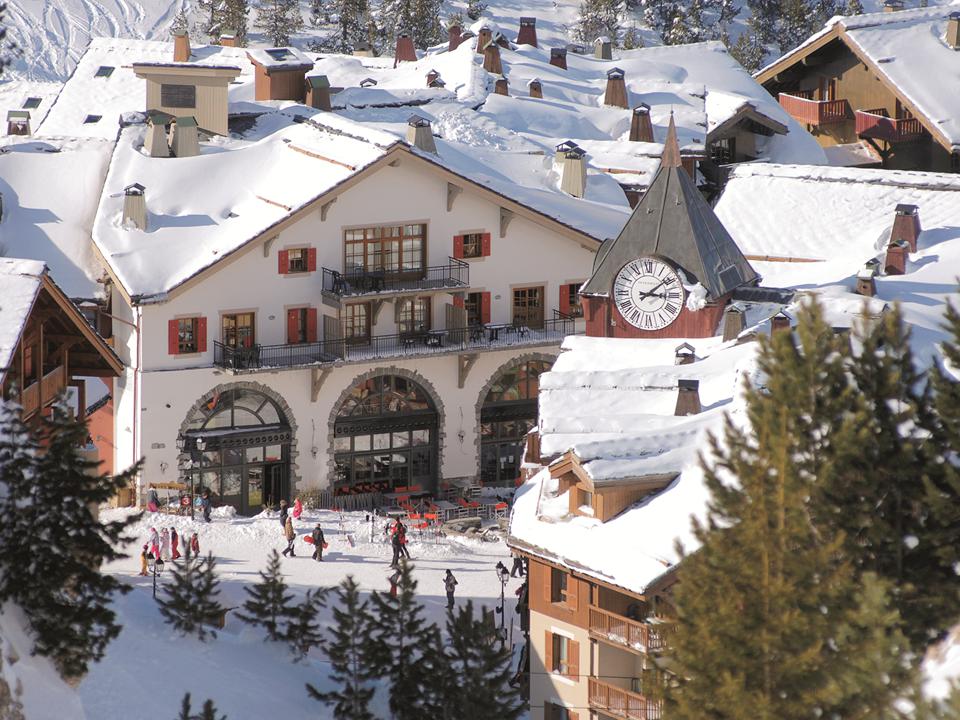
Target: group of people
(286, 522)
(165, 546)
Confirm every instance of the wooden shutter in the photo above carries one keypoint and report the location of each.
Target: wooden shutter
(548, 652)
(311, 259)
(485, 244)
(311, 325)
(572, 594)
(485, 307)
(573, 660)
(572, 715)
(546, 578)
(283, 262)
(458, 301)
(201, 334)
(564, 299)
(458, 246)
(293, 335)
(173, 337)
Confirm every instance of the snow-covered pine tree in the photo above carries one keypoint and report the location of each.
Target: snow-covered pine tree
(853, 7)
(208, 712)
(659, 14)
(456, 19)
(748, 51)
(17, 549)
(394, 17)
(319, 13)
(190, 602)
(479, 666)
(631, 38)
(302, 631)
(763, 21)
(268, 604)
(598, 18)
(794, 23)
(211, 23)
(352, 17)
(475, 9)
(234, 19)
(683, 29)
(347, 647)
(180, 22)
(426, 28)
(279, 19)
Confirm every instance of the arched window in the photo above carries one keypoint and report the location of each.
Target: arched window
(236, 409)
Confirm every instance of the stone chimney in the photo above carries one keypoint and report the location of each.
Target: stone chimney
(453, 37)
(558, 58)
(616, 94)
(603, 48)
(866, 279)
(641, 127)
(895, 262)
(528, 31)
(502, 86)
(536, 88)
(684, 354)
(484, 36)
(734, 322)
(405, 51)
(953, 30)
(573, 172)
(228, 40)
(135, 207)
(155, 141)
(906, 225)
(318, 92)
(186, 141)
(779, 323)
(491, 59)
(420, 134)
(562, 149)
(181, 46)
(688, 398)
(892, 5)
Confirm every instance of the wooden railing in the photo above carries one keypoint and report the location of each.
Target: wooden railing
(814, 112)
(42, 393)
(624, 631)
(878, 124)
(622, 703)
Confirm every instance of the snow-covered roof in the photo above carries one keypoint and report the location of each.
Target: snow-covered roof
(20, 282)
(50, 191)
(280, 58)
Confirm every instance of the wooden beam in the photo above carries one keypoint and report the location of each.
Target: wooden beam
(325, 208)
(465, 362)
(505, 217)
(267, 244)
(453, 191)
(318, 376)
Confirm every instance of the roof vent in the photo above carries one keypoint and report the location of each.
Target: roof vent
(892, 5)
(562, 149)
(641, 127)
(484, 36)
(434, 80)
(18, 122)
(228, 39)
(367, 82)
(688, 398)
(155, 141)
(603, 48)
(734, 322)
(318, 92)
(536, 88)
(895, 262)
(573, 172)
(491, 59)
(405, 51)
(616, 94)
(906, 225)
(528, 31)
(135, 207)
(181, 46)
(558, 58)
(502, 86)
(780, 323)
(186, 142)
(684, 354)
(866, 278)
(420, 135)
(453, 37)
(500, 39)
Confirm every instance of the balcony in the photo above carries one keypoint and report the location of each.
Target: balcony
(433, 342)
(356, 283)
(40, 394)
(619, 630)
(617, 702)
(803, 108)
(878, 124)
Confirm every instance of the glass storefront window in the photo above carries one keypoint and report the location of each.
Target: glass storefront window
(361, 443)
(254, 454)
(381, 441)
(274, 453)
(233, 456)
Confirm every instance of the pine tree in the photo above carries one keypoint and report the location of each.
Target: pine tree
(394, 17)
(319, 13)
(631, 39)
(190, 604)
(426, 29)
(209, 712)
(659, 14)
(681, 29)
(475, 9)
(180, 23)
(211, 23)
(854, 7)
(303, 631)
(347, 648)
(478, 664)
(279, 19)
(234, 19)
(598, 18)
(351, 30)
(748, 51)
(268, 604)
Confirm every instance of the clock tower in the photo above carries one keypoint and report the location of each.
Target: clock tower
(672, 270)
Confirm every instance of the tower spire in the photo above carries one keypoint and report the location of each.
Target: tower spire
(671, 147)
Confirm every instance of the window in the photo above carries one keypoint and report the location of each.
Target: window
(238, 330)
(297, 260)
(570, 300)
(178, 96)
(91, 119)
(552, 711)
(562, 655)
(473, 245)
(413, 315)
(723, 151)
(393, 249)
(301, 325)
(104, 71)
(528, 307)
(187, 333)
(558, 586)
(473, 305)
(31, 102)
(586, 498)
(356, 322)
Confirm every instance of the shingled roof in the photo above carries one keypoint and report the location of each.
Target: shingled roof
(673, 221)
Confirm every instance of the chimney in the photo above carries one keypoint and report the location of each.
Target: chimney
(420, 135)
(186, 142)
(501, 87)
(734, 322)
(892, 5)
(135, 207)
(616, 94)
(155, 141)
(573, 172)
(18, 122)
(318, 92)
(684, 354)
(528, 32)
(367, 82)
(431, 76)
(536, 88)
(484, 36)
(228, 40)
(953, 30)
(603, 48)
(688, 398)
(558, 58)
(896, 261)
(453, 37)
(562, 150)
(181, 46)
(500, 39)
(491, 59)
(641, 128)
(779, 323)
(906, 224)
(866, 279)
(405, 50)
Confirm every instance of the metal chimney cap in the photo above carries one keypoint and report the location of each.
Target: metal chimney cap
(566, 145)
(615, 73)
(688, 384)
(955, 15)
(575, 153)
(134, 189)
(642, 109)
(558, 52)
(906, 208)
(418, 121)
(528, 21)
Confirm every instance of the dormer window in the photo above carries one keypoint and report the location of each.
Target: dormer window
(104, 71)
(92, 119)
(31, 102)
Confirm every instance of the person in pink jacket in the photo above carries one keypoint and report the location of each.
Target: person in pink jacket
(297, 509)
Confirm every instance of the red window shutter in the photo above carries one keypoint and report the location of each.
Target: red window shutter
(548, 651)
(201, 334)
(485, 307)
(292, 335)
(283, 262)
(573, 660)
(564, 304)
(571, 595)
(458, 246)
(312, 259)
(485, 244)
(458, 301)
(173, 337)
(311, 325)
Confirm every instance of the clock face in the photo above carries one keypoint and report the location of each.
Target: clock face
(648, 293)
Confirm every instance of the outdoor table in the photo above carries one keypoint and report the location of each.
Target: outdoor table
(434, 338)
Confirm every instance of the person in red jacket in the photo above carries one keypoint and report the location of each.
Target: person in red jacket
(174, 542)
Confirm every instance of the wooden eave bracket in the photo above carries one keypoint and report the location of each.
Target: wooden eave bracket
(317, 377)
(325, 208)
(465, 362)
(505, 217)
(267, 244)
(452, 192)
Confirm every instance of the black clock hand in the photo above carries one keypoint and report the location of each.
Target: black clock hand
(650, 293)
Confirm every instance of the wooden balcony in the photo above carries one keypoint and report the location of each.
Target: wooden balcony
(878, 124)
(43, 393)
(813, 112)
(619, 630)
(612, 700)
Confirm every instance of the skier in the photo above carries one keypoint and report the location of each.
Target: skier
(450, 584)
(174, 543)
(291, 538)
(401, 531)
(397, 548)
(297, 509)
(195, 545)
(317, 540)
(143, 561)
(164, 544)
(517, 567)
(205, 504)
(283, 513)
(154, 543)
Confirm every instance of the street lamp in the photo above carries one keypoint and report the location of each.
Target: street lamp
(201, 444)
(503, 575)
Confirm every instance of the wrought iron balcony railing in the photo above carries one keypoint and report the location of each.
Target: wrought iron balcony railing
(362, 281)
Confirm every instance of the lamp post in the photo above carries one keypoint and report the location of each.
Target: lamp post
(503, 575)
(201, 444)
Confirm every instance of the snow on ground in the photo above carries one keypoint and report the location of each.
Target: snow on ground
(148, 668)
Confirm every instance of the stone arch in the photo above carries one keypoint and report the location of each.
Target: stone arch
(270, 393)
(505, 367)
(399, 372)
